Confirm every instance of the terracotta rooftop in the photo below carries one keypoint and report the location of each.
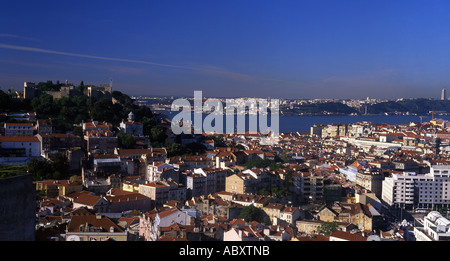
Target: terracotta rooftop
(19, 124)
(102, 222)
(19, 139)
(87, 199)
(349, 236)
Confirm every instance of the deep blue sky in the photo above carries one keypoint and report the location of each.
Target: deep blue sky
(292, 49)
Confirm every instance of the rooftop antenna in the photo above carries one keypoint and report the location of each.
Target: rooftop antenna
(421, 117)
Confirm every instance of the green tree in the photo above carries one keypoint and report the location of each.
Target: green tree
(148, 123)
(126, 141)
(59, 166)
(218, 141)
(39, 169)
(54, 168)
(258, 163)
(251, 213)
(43, 105)
(174, 149)
(5, 101)
(264, 192)
(279, 191)
(195, 148)
(328, 228)
(158, 135)
(284, 158)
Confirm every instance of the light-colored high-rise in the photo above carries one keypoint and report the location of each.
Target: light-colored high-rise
(423, 191)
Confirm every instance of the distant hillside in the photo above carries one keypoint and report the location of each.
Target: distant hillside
(419, 106)
(414, 106)
(322, 108)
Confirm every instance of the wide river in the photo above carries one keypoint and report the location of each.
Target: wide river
(304, 123)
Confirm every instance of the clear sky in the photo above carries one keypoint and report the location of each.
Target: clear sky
(231, 48)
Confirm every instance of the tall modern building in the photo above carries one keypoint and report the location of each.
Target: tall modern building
(443, 94)
(423, 191)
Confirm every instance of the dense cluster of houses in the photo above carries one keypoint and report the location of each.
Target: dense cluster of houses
(348, 175)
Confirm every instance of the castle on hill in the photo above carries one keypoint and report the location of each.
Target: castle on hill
(30, 91)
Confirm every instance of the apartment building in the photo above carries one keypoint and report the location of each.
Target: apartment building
(57, 142)
(152, 222)
(44, 126)
(215, 179)
(420, 191)
(308, 186)
(18, 129)
(101, 141)
(195, 185)
(159, 170)
(241, 183)
(163, 191)
(371, 180)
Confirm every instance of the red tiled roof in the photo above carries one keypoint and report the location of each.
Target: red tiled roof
(19, 139)
(348, 236)
(87, 199)
(19, 124)
(92, 220)
(168, 212)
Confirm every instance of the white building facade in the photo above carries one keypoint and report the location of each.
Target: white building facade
(436, 228)
(419, 191)
(17, 150)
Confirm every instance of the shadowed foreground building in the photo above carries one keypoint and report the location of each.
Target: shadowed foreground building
(17, 209)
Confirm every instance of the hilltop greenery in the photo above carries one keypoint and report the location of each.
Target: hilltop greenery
(418, 106)
(67, 112)
(7, 103)
(414, 106)
(322, 108)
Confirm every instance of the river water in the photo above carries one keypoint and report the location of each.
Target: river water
(304, 123)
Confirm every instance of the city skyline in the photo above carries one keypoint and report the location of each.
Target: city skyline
(290, 49)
